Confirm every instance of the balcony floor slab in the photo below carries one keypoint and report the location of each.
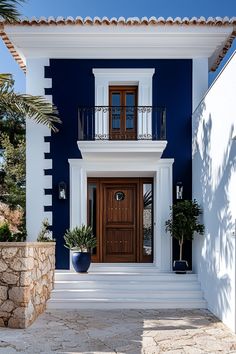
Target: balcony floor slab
(122, 149)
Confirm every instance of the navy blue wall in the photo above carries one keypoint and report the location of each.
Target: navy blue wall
(73, 85)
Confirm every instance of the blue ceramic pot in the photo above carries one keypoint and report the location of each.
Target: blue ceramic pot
(180, 267)
(81, 261)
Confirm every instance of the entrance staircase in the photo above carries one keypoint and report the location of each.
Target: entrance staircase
(114, 286)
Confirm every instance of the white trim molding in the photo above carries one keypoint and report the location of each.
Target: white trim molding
(139, 77)
(161, 171)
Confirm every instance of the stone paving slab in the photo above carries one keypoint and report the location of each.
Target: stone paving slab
(121, 332)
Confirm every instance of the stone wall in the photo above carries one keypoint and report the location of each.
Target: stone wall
(26, 281)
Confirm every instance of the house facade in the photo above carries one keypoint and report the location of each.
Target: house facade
(125, 90)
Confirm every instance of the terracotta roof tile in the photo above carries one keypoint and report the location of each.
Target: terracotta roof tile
(133, 21)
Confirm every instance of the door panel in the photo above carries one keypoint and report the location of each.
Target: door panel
(119, 242)
(120, 223)
(120, 211)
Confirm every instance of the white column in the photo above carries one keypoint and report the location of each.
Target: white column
(36, 181)
(156, 221)
(78, 194)
(163, 201)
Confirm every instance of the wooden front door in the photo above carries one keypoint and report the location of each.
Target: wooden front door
(120, 213)
(120, 222)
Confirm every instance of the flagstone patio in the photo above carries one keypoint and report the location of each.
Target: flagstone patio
(121, 331)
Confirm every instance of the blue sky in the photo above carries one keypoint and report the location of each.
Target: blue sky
(109, 8)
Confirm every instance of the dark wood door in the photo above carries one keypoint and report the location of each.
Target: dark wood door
(120, 211)
(123, 112)
(119, 222)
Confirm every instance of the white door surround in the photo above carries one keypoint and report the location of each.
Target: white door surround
(135, 77)
(161, 171)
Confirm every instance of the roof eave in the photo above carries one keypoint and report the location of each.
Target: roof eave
(214, 60)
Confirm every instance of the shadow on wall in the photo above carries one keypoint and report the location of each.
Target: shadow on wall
(216, 250)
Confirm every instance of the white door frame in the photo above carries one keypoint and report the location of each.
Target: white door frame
(161, 172)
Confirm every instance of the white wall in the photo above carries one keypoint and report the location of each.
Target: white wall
(214, 187)
(36, 181)
(200, 80)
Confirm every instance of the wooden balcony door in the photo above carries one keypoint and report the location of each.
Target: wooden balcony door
(123, 112)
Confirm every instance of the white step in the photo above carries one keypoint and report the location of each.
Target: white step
(129, 284)
(125, 286)
(123, 294)
(127, 304)
(124, 267)
(98, 276)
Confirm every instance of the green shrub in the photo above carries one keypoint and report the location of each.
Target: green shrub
(45, 234)
(80, 239)
(183, 222)
(5, 233)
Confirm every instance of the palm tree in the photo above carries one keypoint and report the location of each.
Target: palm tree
(35, 107)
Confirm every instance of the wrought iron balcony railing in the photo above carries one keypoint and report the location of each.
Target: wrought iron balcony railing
(105, 123)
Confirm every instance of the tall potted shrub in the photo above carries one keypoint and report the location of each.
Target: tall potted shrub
(182, 224)
(80, 241)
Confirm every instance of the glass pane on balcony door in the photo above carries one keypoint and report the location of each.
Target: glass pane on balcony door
(147, 219)
(116, 111)
(130, 109)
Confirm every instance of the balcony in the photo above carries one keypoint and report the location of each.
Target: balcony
(138, 131)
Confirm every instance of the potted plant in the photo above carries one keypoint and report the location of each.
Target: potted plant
(80, 241)
(182, 224)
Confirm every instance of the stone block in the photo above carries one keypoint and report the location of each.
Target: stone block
(3, 266)
(19, 294)
(3, 292)
(7, 306)
(25, 278)
(16, 322)
(22, 264)
(5, 315)
(9, 252)
(10, 278)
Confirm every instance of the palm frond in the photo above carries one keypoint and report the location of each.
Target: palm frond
(5, 77)
(35, 107)
(8, 9)
(147, 199)
(6, 82)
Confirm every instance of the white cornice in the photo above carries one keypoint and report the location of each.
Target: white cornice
(140, 150)
(128, 42)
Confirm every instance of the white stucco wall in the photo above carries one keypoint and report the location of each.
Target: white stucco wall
(214, 187)
(200, 80)
(36, 181)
